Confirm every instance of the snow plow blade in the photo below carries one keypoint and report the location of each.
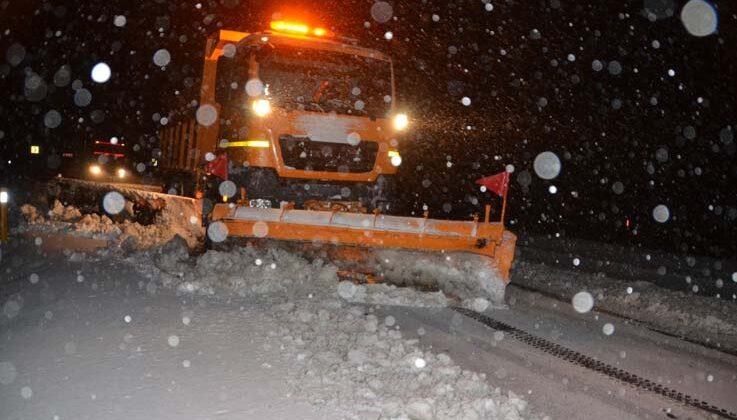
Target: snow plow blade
(143, 204)
(463, 259)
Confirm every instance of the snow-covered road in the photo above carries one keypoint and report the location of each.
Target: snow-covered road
(564, 391)
(98, 346)
(96, 339)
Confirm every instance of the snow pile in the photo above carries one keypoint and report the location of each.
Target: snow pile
(345, 357)
(245, 271)
(58, 212)
(65, 213)
(349, 358)
(256, 271)
(465, 276)
(126, 234)
(67, 219)
(339, 357)
(269, 273)
(674, 311)
(386, 294)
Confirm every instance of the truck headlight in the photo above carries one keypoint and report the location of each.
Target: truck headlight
(95, 170)
(122, 173)
(261, 107)
(401, 121)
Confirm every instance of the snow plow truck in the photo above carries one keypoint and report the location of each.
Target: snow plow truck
(301, 131)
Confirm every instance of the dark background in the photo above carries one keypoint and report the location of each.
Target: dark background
(641, 128)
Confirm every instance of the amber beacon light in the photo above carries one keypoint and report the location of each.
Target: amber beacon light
(297, 28)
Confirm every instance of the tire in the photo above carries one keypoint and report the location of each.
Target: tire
(382, 194)
(261, 183)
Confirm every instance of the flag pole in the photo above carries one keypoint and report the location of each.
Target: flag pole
(504, 198)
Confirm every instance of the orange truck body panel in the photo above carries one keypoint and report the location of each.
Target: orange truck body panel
(282, 122)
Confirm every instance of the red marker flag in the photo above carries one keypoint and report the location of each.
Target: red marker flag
(497, 183)
(218, 166)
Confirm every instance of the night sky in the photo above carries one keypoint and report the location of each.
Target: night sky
(640, 112)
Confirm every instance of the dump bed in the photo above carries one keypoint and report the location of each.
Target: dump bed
(181, 147)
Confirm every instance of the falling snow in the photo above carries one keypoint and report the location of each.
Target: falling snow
(615, 126)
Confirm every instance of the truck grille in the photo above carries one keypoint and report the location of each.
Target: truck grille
(305, 154)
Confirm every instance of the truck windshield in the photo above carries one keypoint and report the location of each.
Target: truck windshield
(326, 81)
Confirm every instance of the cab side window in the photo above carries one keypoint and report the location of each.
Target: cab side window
(232, 75)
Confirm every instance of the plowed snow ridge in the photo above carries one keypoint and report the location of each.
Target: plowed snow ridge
(345, 356)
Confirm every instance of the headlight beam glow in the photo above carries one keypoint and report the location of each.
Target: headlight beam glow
(95, 170)
(261, 107)
(394, 157)
(400, 121)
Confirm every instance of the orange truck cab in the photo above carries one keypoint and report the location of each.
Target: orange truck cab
(302, 115)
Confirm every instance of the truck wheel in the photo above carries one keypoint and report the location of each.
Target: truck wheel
(262, 183)
(382, 194)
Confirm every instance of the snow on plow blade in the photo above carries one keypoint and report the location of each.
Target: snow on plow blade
(463, 259)
(143, 204)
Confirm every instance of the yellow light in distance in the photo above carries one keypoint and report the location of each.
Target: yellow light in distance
(95, 170)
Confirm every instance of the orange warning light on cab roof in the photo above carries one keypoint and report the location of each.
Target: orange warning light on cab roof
(296, 28)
